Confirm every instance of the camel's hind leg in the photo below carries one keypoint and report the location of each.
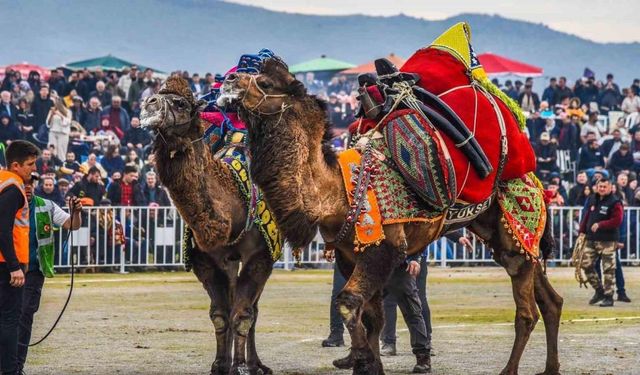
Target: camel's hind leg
(550, 304)
(372, 270)
(217, 285)
(522, 280)
(253, 276)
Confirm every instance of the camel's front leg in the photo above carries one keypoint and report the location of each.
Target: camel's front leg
(255, 272)
(216, 283)
(372, 270)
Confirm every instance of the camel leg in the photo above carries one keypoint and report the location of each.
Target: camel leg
(252, 353)
(373, 320)
(550, 304)
(251, 281)
(372, 270)
(216, 283)
(522, 281)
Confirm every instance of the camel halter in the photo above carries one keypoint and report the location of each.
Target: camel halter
(265, 96)
(166, 108)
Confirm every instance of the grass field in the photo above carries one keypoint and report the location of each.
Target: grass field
(157, 323)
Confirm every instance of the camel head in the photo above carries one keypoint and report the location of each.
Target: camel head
(173, 110)
(264, 94)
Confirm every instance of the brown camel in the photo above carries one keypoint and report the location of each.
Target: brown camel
(207, 197)
(297, 171)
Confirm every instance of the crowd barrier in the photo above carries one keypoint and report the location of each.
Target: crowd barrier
(120, 239)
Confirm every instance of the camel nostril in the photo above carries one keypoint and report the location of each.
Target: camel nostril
(152, 100)
(231, 77)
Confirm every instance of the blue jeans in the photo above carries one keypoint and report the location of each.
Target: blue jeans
(339, 281)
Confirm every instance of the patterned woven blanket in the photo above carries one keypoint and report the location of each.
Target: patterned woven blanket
(525, 213)
(233, 154)
(388, 198)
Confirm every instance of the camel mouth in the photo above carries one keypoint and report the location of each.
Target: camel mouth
(228, 95)
(150, 119)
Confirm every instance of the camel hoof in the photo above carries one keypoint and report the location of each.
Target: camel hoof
(265, 370)
(547, 372)
(219, 368)
(241, 369)
(368, 368)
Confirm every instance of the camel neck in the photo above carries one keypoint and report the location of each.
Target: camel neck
(201, 187)
(289, 164)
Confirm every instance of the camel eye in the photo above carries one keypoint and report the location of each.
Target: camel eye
(180, 103)
(265, 85)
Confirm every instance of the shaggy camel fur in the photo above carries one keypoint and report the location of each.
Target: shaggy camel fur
(298, 174)
(207, 197)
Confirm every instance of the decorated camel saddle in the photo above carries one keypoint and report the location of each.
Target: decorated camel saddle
(442, 130)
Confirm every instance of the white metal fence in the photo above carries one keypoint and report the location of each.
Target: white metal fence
(119, 238)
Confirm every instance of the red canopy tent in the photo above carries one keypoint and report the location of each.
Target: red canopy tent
(496, 65)
(370, 67)
(24, 68)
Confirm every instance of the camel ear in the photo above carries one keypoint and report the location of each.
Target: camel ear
(296, 88)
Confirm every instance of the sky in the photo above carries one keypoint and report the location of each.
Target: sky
(598, 20)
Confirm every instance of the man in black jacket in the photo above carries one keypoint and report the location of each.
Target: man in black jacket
(91, 187)
(601, 226)
(136, 137)
(40, 107)
(546, 157)
(590, 156)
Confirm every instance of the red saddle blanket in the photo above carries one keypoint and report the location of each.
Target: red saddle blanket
(442, 74)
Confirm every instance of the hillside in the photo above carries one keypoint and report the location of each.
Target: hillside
(208, 35)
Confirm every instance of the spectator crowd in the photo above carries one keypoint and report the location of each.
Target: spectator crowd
(87, 123)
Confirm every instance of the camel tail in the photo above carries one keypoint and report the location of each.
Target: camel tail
(547, 242)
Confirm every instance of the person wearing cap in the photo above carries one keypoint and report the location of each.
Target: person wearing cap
(546, 157)
(14, 246)
(44, 214)
(78, 110)
(63, 187)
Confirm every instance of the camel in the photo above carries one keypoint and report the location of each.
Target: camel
(300, 177)
(207, 198)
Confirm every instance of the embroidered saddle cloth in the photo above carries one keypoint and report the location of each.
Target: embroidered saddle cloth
(233, 154)
(524, 212)
(389, 199)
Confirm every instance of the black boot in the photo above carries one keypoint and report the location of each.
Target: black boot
(607, 301)
(334, 340)
(344, 363)
(423, 363)
(622, 297)
(597, 297)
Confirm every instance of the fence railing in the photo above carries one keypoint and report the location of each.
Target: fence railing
(119, 238)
